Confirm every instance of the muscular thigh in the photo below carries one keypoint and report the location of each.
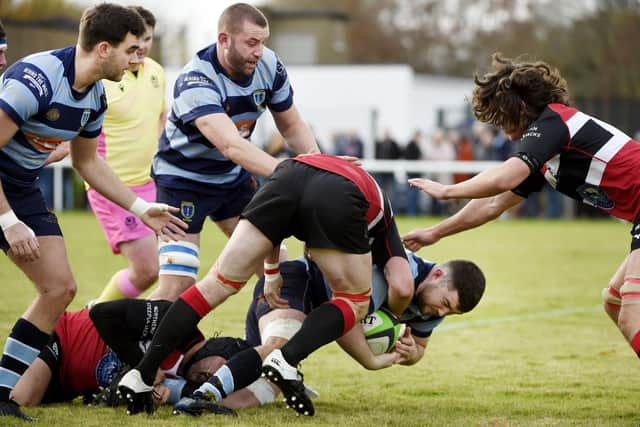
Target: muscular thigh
(52, 268)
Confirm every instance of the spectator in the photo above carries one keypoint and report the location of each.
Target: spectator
(412, 152)
(387, 149)
(439, 148)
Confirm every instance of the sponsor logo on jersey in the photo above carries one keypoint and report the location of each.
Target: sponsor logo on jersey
(595, 196)
(187, 210)
(36, 80)
(42, 143)
(154, 81)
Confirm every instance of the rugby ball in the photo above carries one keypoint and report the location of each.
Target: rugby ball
(382, 330)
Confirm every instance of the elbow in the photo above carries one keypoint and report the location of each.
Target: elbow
(405, 291)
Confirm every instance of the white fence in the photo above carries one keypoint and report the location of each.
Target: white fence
(400, 169)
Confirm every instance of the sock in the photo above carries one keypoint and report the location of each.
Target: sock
(323, 325)
(176, 329)
(241, 370)
(22, 347)
(119, 287)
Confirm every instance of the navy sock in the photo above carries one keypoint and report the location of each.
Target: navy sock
(241, 370)
(22, 347)
(176, 329)
(322, 326)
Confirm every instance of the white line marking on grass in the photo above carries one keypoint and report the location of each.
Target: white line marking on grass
(508, 319)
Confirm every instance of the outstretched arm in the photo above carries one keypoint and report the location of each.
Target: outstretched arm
(491, 182)
(220, 131)
(295, 131)
(473, 214)
(99, 175)
(355, 345)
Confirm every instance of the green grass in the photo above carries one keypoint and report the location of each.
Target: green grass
(537, 351)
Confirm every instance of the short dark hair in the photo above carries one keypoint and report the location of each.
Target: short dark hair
(108, 22)
(3, 33)
(234, 16)
(469, 281)
(146, 14)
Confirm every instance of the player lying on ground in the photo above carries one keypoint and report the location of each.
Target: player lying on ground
(454, 287)
(89, 349)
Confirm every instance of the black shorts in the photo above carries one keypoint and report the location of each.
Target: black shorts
(320, 208)
(220, 204)
(29, 206)
(51, 354)
(303, 288)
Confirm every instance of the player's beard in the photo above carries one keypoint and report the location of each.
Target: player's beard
(111, 70)
(237, 62)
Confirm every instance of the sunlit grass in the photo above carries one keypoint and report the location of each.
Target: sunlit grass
(537, 351)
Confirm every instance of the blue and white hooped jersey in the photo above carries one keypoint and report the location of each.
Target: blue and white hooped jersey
(37, 93)
(421, 325)
(186, 159)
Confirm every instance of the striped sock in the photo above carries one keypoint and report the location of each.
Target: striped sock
(21, 348)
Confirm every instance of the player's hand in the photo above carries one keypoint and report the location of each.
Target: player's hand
(416, 239)
(272, 288)
(407, 349)
(384, 360)
(62, 150)
(22, 241)
(168, 227)
(354, 160)
(431, 188)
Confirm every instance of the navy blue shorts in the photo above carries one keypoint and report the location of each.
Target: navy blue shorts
(303, 287)
(29, 206)
(219, 204)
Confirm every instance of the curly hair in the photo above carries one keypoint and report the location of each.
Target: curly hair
(513, 95)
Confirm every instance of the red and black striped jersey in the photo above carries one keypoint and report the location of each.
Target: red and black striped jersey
(584, 158)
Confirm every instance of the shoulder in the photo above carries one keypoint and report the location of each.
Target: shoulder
(152, 66)
(272, 64)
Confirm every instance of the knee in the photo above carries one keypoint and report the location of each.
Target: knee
(146, 274)
(60, 293)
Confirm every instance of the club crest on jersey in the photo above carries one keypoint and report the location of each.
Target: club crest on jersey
(259, 96)
(187, 210)
(595, 196)
(53, 114)
(107, 369)
(154, 81)
(85, 118)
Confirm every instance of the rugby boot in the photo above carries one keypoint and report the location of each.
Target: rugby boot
(136, 393)
(12, 409)
(277, 370)
(198, 403)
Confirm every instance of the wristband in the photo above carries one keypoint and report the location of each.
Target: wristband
(271, 269)
(8, 219)
(139, 207)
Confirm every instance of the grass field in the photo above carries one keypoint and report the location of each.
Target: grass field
(537, 351)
